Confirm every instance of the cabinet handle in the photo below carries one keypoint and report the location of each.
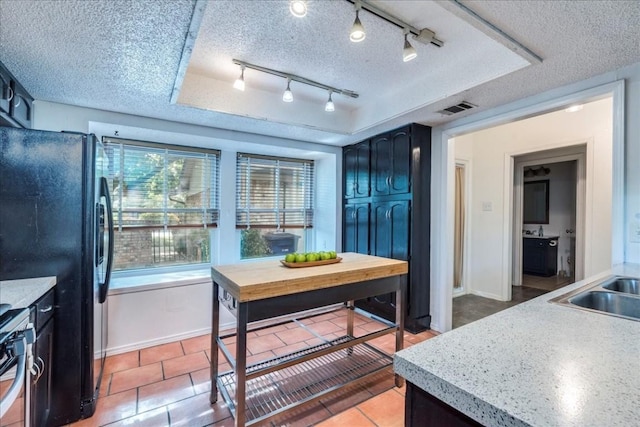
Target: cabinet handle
(353, 214)
(10, 94)
(46, 309)
(41, 367)
(17, 104)
(388, 180)
(35, 372)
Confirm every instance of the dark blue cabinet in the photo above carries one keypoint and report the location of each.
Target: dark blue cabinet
(392, 219)
(540, 256)
(391, 163)
(356, 170)
(356, 228)
(390, 229)
(15, 102)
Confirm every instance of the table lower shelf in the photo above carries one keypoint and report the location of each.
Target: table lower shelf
(273, 393)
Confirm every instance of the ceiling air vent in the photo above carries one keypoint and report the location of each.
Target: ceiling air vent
(463, 106)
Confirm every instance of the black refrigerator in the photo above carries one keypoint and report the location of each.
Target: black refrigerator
(55, 220)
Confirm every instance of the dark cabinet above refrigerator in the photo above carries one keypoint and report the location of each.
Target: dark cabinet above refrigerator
(16, 105)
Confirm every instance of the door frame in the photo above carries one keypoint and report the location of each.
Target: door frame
(547, 157)
(443, 170)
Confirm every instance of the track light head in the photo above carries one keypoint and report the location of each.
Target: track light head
(298, 8)
(357, 30)
(329, 106)
(409, 52)
(287, 96)
(239, 83)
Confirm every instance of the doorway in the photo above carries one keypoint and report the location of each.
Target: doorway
(500, 155)
(549, 212)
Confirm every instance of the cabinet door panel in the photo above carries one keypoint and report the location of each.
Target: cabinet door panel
(400, 167)
(390, 229)
(356, 171)
(381, 165)
(41, 386)
(6, 93)
(21, 106)
(356, 228)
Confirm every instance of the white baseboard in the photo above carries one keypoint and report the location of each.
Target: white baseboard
(226, 327)
(488, 295)
(111, 351)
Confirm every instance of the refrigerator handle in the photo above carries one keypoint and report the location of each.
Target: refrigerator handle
(104, 192)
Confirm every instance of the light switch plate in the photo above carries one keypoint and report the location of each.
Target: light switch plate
(487, 207)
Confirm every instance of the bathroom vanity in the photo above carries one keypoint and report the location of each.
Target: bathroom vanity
(540, 255)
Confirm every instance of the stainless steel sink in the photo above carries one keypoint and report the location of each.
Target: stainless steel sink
(615, 296)
(624, 284)
(610, 302)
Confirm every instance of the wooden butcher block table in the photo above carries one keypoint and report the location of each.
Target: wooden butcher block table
(267, 289)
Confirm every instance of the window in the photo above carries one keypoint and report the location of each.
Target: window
(274, 204)
(165, 203)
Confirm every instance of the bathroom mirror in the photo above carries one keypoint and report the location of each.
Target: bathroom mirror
(536, 202)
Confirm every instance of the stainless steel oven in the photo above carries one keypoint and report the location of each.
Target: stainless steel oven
(16, 363)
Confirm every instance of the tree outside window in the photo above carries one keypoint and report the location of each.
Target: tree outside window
(165, 201)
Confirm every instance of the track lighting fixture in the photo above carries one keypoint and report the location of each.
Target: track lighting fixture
(287, 96)
(329, 107)
(424, 35)
(239, 83)
(409, 52)
(357, 30)
(298, 8)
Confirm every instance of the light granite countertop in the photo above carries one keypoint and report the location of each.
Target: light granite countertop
(536, 364)
(22, 293)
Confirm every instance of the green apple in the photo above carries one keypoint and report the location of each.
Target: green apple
(325, 255)
(300, 258)
(312, 256)
(290, 257)
(334, 255)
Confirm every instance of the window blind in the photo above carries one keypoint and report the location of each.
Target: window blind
(273, 192)
(161, 186)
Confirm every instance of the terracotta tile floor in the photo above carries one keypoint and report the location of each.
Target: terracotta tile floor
(168, 385)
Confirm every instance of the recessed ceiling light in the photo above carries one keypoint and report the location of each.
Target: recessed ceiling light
(298, 8)
(574, 108)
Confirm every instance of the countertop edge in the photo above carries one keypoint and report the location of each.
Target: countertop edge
(494, 389)
(470, 405)
(21, 293)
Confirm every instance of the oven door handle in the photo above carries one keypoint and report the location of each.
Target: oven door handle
(14, 390)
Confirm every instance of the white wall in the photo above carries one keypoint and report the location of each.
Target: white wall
(490, 148)
(626, 192)
(163, 314)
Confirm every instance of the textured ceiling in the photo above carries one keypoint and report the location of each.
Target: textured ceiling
(317, 47)
(125, 56)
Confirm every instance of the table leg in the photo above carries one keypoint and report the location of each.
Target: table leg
(241, 363)
(350, 307)
(400, 322)
(215, 331)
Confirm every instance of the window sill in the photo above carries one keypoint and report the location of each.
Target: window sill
(150, 282)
